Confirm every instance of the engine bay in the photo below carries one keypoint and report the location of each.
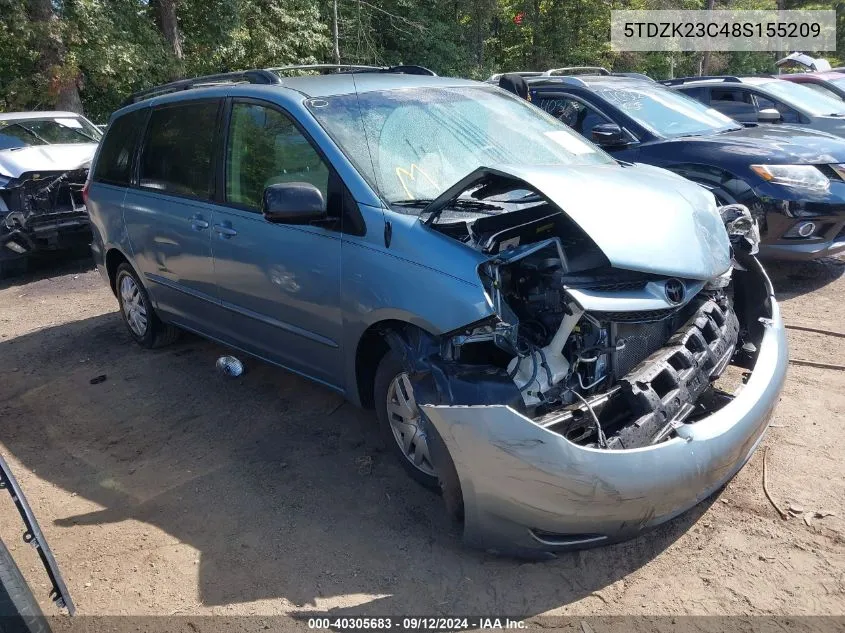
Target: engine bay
(609, 358)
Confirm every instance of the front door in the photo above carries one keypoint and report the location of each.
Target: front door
(280, 282)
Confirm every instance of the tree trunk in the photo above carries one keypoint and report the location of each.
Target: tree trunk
(335, 36)
(62, 82)
(705, 62)
(168, 25)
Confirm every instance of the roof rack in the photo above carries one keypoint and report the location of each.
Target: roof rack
(685, 80)
(405, 69)
(267, 76)
(577, 70)
(634, 76)
(242, 76)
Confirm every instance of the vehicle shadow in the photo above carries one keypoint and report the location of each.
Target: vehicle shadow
(283, 490)
(50, 264)
(793, 279)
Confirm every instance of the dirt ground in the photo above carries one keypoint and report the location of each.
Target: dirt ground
(168, 489)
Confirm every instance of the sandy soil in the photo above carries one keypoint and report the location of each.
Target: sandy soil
(168, 489)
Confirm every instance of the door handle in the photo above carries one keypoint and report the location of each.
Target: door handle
(197, 223)
(225, 230)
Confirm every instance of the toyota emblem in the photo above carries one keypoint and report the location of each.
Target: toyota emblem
(675, 291)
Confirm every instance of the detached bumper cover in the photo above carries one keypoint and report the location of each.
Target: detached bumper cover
(527, 490)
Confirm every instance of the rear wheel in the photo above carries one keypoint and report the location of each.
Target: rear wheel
(137, 311)
(400, 420)
(19, 611)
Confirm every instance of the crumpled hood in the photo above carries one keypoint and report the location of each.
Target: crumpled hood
(641, 217)
(14, 162)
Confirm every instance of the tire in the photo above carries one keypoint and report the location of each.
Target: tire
(138, 313)
(19, 611)
(390, 370)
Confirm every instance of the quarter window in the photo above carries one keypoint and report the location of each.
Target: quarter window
(177, 157)
(266, 148)
(114, 164)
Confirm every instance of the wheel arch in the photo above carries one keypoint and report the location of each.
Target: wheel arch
(114, 258)
(727, 186)
(371, 347)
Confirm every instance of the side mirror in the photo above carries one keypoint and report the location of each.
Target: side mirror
(607, 134)
(768, 115)
(293, 203)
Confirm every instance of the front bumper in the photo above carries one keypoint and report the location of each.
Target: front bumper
(528, 491)
(781, 216)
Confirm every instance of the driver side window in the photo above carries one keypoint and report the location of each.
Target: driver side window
(787, 114)
(266, 148)
(576, 114)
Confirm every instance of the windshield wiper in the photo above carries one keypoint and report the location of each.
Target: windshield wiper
(459, 203)
(27, 130)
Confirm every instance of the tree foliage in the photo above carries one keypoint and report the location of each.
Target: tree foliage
(94, 53)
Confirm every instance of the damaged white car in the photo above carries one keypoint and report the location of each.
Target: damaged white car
(44, 160)
(572, 348)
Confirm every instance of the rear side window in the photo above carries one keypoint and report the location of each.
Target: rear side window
(114, 165)
(178, 153)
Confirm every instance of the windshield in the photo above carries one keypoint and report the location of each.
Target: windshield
(665, 112)
(414, 144)
(804, 98)
(47, 131)
(838, 82)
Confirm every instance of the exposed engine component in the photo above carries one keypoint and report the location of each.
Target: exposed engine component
(39, 210)
(606, 357)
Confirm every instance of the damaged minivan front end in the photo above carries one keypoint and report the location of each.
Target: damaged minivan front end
(627, 369)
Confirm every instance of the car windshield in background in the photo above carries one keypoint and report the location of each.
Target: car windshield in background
(414, 144)
(812, 101)
(665, 112)
(47, 131)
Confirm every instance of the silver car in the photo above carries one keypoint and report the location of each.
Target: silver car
(542, 330)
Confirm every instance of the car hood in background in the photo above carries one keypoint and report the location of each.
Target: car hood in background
(641, 217)
(772, 143)
(14, 162)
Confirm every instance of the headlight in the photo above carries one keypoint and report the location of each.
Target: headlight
(4, 181)
(741, 227)
(797, 176)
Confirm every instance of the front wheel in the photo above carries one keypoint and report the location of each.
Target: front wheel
(19, 611)
(401, 422)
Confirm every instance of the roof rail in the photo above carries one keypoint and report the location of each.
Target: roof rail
(685, 80)
(405, 69)
(577, 70)
(241, 76)
(572, 80)
(633, 76)
(267, 76)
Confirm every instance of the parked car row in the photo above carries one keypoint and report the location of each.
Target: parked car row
(791, 178)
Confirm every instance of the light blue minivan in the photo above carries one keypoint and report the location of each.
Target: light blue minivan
(541, 329)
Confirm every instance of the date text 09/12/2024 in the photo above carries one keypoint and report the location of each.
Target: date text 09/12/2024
(415, 623)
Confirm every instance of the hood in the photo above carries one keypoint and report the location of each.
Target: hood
(14, 162)
(774, 144)
(641, 217)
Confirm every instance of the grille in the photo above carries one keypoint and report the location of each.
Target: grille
(641, 340)
(647, 316)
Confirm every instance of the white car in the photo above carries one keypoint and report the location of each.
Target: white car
(44, 160)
